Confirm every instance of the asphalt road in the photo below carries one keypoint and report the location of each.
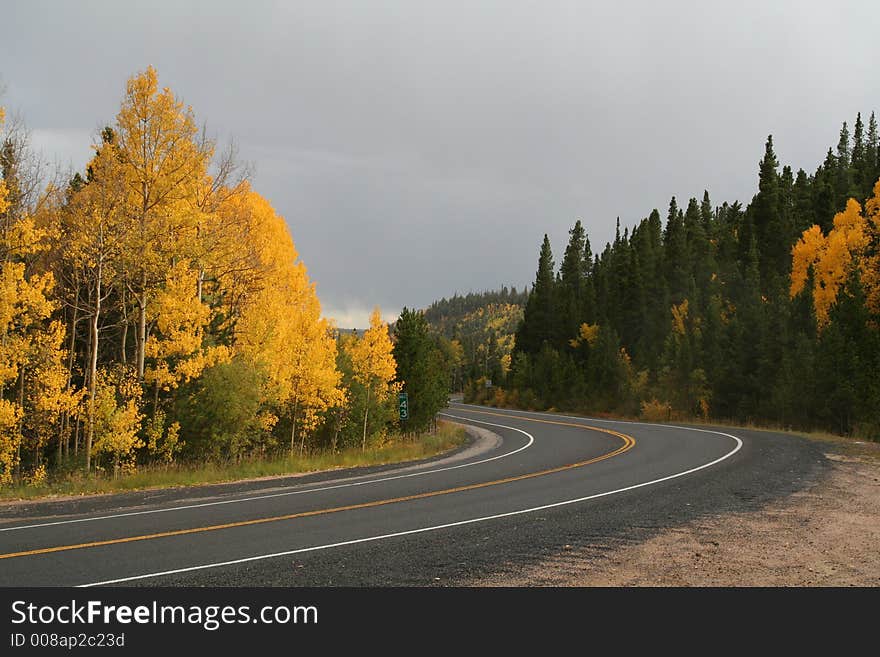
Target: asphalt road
(549, 483)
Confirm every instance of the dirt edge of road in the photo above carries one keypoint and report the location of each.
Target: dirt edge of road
(824, 535)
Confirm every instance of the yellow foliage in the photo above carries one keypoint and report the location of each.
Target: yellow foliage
(38, 476)
(804, 254)
(656, 411)
(456, 352)
(24, 305)
(588, 334)
(10, 439)
(157, 141)
(23, 302)
(499, 398)
(117, 415)
(373, 365)
(679, 317)
(704, 407)
(161, 441)
(48, 393)
(871, 269)
(146, 238)
(832, 257)
(179, 315)
(267, 420)
(180, 320)
(280, 328)
(23, 237)
(372, 357)
(28, 349)
(161, 164)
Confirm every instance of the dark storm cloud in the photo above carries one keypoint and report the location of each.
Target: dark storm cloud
(417, 149)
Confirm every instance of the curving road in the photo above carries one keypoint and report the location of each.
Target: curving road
(551, 481)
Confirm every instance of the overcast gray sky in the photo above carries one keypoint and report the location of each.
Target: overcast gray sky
(422, 148)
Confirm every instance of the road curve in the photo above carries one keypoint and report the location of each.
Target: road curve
(551, 481)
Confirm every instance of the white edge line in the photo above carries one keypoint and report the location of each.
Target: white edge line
(421, 530)
(272, 495)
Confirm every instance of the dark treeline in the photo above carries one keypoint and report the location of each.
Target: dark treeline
(699, 313)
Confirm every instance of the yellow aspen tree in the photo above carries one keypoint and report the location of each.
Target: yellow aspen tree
(24, 306)
(29, 346)
(373, 363)
(278, 282)
(49, 395)
(832, 258)
(164, 165)
(279, 327)
(314, 379)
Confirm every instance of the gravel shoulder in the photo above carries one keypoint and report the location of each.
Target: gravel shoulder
(824, 535)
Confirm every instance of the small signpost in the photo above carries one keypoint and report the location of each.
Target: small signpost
(403, 406)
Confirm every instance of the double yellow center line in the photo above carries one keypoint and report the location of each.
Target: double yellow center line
(628, 443)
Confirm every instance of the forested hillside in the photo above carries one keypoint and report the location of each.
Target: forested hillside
(478, 330)
(444, 314)
(765, 313)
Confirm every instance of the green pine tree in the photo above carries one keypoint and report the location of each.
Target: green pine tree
(540, 316)
(420, 369)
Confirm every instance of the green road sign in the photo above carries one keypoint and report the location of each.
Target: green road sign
(403, 406)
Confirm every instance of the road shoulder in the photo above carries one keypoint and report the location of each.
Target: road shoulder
(819, 536)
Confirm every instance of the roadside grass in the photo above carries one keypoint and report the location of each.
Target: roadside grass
(447, 437)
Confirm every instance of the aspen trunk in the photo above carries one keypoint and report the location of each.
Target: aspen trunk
(142, 329)
(156, 398)
(293, 428)
(20, 420)
(93, 368)
(124, 340)
(366, 411)
(60, 452)
(65, 421)
(302, 441)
